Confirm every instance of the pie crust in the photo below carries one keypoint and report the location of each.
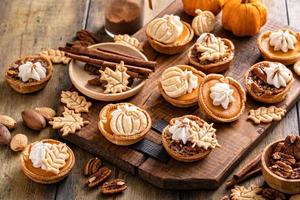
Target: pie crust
(187, 100)
(176, 47)
(28, 87)
(269, 54)
(274, 98)
(118, 139)
(217, 113)
(41, 176)
(173, 153)
(213, 67)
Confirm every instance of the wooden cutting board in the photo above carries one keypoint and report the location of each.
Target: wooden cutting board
(147, 159)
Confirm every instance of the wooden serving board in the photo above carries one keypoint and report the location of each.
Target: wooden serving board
(147, 159)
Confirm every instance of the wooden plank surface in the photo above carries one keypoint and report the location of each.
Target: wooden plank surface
(56, 23)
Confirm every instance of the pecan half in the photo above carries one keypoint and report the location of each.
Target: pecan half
(279, 147)
(84, 35)
(287, 159)
(271, 194)
(260, 74)
(282, 169)
(92, 166)
(113, 186)
(97, 178)
(296, 173)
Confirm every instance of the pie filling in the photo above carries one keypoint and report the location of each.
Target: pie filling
(13, 71)
(257, 80)
(195, 57)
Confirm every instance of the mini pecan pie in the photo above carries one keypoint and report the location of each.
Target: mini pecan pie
(221, 98)
(211, 54)
(189, 138)
(168, 34)
(47, 161)
(124, 123)
(282, 46)
(29, 74)
(179, 85)
(268, 82)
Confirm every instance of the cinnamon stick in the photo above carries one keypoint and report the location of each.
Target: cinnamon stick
(118, 53)
(111, 65)
(232, 182)
(110, 57)
(248, 167)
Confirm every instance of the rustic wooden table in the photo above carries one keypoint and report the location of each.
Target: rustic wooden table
(27, 27)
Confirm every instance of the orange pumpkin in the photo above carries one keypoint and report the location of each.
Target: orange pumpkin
(244, 17)
(214, 6)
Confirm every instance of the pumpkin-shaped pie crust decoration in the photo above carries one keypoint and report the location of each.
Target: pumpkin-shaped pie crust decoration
(218, 112)
(271, 51)
(59, 163)
(124, 123)
(204, 22)
(176, 81)
(169, 35)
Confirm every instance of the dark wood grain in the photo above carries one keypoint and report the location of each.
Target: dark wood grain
(210, 172)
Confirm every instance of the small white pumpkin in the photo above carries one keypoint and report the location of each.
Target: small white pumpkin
(128, 120)
(204, 22)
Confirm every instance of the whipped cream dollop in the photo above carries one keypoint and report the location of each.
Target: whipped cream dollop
(177, 82)
(31, 70)
(282, 40)
(38, 154)
(278, 75)
(221, 94)
(128, 120)
(189, 130)
(166, 29)
(210, 47)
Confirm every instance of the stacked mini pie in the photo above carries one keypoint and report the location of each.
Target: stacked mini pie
(29, 74)
(47, 161)
(168, 34)
(124, 123)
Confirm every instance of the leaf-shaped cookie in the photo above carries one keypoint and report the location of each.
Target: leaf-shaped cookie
(75, 102)
(56, 56)
(117, 80)
(55, 157)
(242, 193)
(128, 41)
(69, 123)
(266, 115)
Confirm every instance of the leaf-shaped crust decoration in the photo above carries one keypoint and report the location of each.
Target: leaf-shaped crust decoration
(266, 115)
(55, 157)
(75, 102)
(56, 56)
(128, 41)
(117, 80)
(250, 193)
(69, 123)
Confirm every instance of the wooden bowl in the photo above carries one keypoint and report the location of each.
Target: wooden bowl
(289, 186)
(79, 77)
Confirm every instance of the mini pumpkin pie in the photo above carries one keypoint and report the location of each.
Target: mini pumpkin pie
(124, 123)
(268, 82)
(168, 34)
(179, 85)
(47, 161)
(189, 138)
(211, 54)
(221, 98)
(282, 46)
(29, 74)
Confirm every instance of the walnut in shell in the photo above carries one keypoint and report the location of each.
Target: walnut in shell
(7, 121)
(47, 112)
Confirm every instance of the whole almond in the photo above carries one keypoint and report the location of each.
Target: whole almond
(7, 121)
(33, 119)
(47, 112)
(19, 142)
(5, 135)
